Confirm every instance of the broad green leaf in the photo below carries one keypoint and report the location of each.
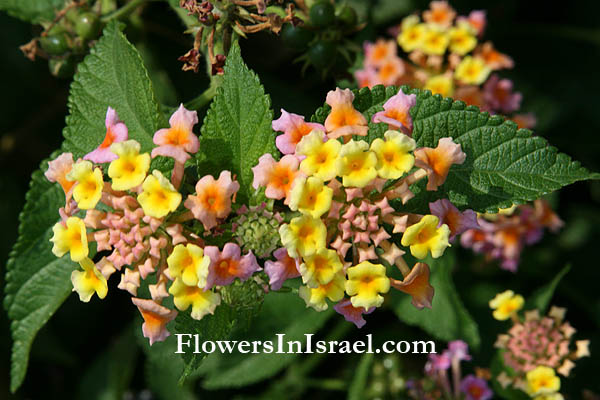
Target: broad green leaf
(281, 313)
(34, 11)
(359, 382)
(38, 282)
(448, 319)
(504, 165)
(237, 128)
(540, 299)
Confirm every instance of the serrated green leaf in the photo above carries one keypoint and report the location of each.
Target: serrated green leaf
(38, 282)
(34, 11)
(504, 165)
(237, 128)
(359, 382)
(448, 319)
(540, 299)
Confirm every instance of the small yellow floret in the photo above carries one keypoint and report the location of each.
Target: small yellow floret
(303, 236)
(505, 304)
(425, 236)
(412, 36)
(440, 84)
(472, 71)
(320, 268)
(159, 197)
(72, 239)
(462, 39)
(189, 263)
(88, 281)
(321, 157)
(130, 169)
(357, 164)
(310, 196)
(317, 297)
(88, 189)
(541, 381)
(393, 155)
(365, 283)
(435, 40)
(202, 302)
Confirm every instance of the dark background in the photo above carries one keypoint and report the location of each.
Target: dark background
(556, 49)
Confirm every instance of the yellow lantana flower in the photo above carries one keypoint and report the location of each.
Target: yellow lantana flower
(505, 304)
(202, 302)
(159, 197)
(393, 154)
(310, 196)
(89, 281)
(440, 84)
(425, 236)
(320, 268)
(72, 239)
(542, 380)
(303, 236)
(365, 283)
(88, 189)
(357, 164)
(321, 157)
(129, 170)
(462, 39)
(435, 40)
(472, 70)
(189, 263)
(412, 36)
(317, 297)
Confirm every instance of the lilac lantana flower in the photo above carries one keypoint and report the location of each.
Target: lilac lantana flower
(116, 131)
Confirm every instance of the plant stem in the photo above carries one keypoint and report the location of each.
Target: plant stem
(123, 11)
(327, 384)
(205, 97)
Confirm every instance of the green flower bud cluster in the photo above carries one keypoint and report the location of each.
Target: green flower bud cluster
(257, 230)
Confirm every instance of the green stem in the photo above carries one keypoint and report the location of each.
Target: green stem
(123, 11)
(327, 384)
(205, 97)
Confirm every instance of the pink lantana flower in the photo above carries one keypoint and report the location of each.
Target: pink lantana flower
(499, 96)
(366, 77)
(437, 161)
(351, 313)
(276, 176)
(450, 215)
(477, 19)
(294, 129)
(396, 112)
(116, 131)
(379, 52)
(156, 318)
(281, 270)
(475, 388)
(178, 140)
(58, 170)
(228, 264)
(344, 120)
(212, 199)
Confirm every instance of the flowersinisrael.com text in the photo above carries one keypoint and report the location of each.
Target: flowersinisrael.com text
(190, 343)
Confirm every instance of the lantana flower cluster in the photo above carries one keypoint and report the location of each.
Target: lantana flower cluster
(443, 377)
(342, 235)
(537, 349)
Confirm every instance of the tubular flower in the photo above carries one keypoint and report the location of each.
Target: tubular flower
(320, 268)
(416, 284)
(393, 154)
(365, 283)
(440, 84)
(156, 318)
(316, 297)
(411, 38)
(311, 197)
(303, 236)
(396, 112)
(321, 156)
(435, 41)
(437, 161)
(88, 189)
(294, 129)
(212, 199)
(88, 281)
(493, 58)
(475, 388)
(227, 265)
(116, 131)
(58, 170)
(440, 13)
(462, 39)
(202, 301)
(425, 236)
(357, 164)
(130, 168)
(284, 268)
(158, 197)
(178, 140)
(276, 176)
(190, 264)
(344, 120)
(377, 53)
(506, 304)
(390, 71)
(450, 215)
(541, 381)
(351, 313)
(71, 239)
(472, 71)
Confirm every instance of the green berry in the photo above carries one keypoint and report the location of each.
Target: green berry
(296, 37)
(322, 54)
(55, 45)
(62, 67)
(87, 25)
(322, 14)
(347, 16)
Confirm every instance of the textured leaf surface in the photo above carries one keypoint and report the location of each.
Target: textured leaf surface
(504, 165)
(38, 282)
(448, 319)
(33, 11)
(237, 128)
